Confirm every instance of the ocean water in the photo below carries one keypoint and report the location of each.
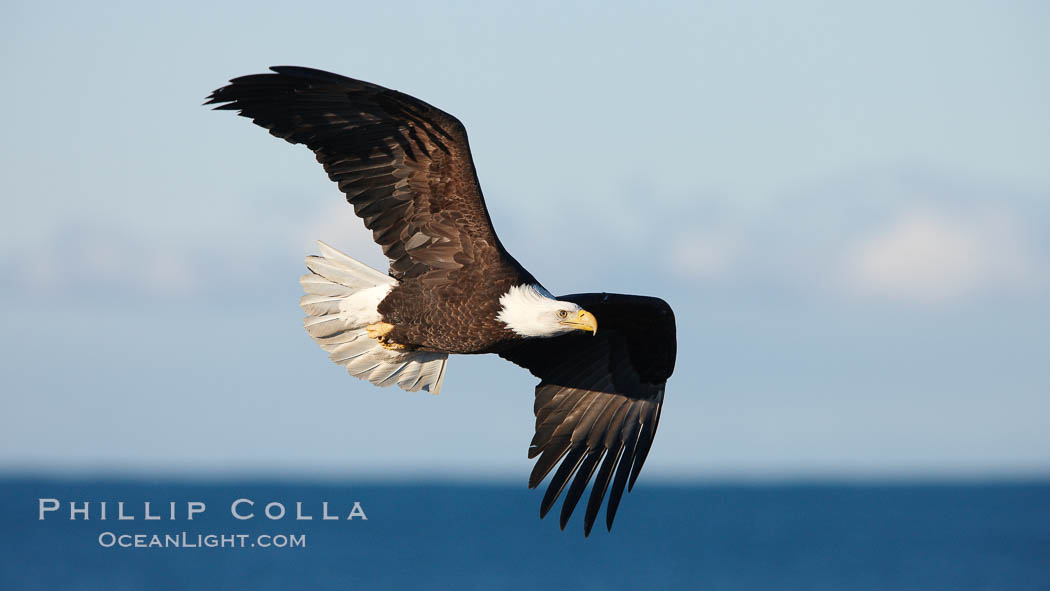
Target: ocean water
(486, 536)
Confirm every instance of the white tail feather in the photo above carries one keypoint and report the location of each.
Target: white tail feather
(342, 299)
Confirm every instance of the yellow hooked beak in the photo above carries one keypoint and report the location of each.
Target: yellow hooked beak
(584, 320)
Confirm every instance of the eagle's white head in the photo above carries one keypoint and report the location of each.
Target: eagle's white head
(531, 311)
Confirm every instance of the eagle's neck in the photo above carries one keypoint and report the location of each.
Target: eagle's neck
(527, 309)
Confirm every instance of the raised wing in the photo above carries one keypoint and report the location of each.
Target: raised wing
(404, 165)
(599, 397)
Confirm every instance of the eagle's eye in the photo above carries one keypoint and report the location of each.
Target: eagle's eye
(563, 313)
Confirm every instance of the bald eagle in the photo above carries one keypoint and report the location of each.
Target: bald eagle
(452, 287)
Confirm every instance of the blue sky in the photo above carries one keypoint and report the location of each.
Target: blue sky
(847, 204)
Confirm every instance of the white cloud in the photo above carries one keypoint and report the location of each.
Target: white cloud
(927, 255)
(151, 258)
(701, 257)
(336, 224)
(107, 259)
(170, 273)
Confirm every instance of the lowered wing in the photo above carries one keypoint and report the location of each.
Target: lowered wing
(598, 401)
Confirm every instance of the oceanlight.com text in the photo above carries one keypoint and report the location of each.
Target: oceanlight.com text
(108, 539)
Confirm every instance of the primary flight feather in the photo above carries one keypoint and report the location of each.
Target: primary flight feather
(452, 287)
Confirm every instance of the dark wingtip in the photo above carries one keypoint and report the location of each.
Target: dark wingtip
(212, 98)
(544, 509)
(220, 98)
(548, 502)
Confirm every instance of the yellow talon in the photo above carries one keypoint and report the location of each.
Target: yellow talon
(378, 331)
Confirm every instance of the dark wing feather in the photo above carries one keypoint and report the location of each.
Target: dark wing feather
(598, 401)
(404, 165)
